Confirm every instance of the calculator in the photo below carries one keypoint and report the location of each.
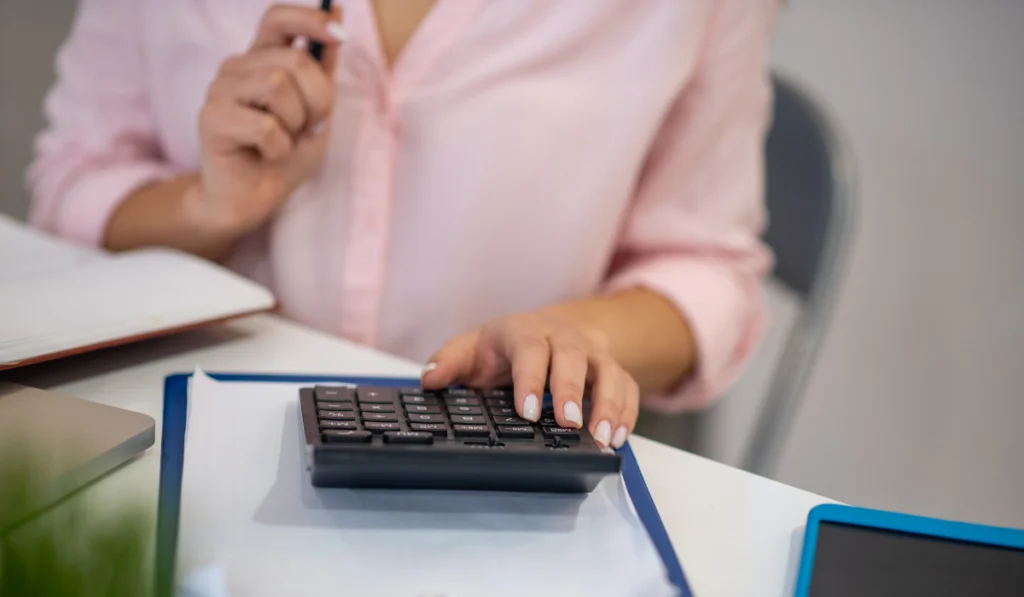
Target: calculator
(457, 438)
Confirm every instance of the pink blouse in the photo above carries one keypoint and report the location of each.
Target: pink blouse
(519, 153)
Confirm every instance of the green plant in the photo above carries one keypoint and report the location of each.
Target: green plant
(71, 549)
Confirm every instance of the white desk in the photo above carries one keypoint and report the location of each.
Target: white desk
(736, 534)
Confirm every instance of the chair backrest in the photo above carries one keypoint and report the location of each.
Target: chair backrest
(809, 197)
(802, 190)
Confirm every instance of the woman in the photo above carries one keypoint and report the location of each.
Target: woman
(570, 190)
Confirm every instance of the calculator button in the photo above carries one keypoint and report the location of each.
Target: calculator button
(465, 410)
(516, 431)
(460, 392)
(335, 405)
(376, 395)
(548, 421)
(437, 429)
(340, 436)
(334, 424)
(378, 426)
(426, 418)
(423, 409)
(469, 419)
(500, 402)
(419, 400)
(380, 416)
(462, 401)
(333, 394)
(498, 393)
(510, 421)
(337, 415)
(560, 432)
(471, 430)
(503, 411)
(377, 408)
(408, 437)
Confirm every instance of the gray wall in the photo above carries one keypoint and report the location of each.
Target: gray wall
(917, 403)
(30, 31)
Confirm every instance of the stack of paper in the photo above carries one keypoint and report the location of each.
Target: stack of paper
(252, 525)
(57, 299)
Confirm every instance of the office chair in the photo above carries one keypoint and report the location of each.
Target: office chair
(810, 195)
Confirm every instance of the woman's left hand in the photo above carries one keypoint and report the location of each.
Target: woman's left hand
(521, 350)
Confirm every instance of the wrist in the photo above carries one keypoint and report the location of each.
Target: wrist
(198, 214)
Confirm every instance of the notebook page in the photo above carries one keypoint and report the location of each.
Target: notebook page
(122, 296)
(27, 252)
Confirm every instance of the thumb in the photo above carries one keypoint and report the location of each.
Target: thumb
(454, 363)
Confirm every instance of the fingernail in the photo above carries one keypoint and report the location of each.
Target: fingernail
(301, 44)
(620, 437)
(429, 367)
(603, 433)
(572, 413)
(318, 128)
(531, 408)
(337, 31)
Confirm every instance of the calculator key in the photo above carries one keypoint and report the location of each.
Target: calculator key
(471, 430)
(560, 432)
(333, 394)
(465, 410)
(437, 429)
(500, 402)
(498, 393)
(341, 436)
(377, 408)
(334, 424)
(335, 405)
(548, 421)
(516, 431)
(460, 392)
(504, 411)
(426, 418)
(423, 409)
(375, 395)
(378, 426)
(462, 401)
(510, 421)
(408, 437)
(380, 416)
(419, 400)
(338, 415)
(469, 419)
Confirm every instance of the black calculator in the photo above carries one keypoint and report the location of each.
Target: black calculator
(458, 438)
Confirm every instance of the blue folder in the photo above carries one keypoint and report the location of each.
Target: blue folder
(172, 462)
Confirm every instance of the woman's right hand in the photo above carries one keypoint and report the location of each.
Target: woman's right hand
(262, 129)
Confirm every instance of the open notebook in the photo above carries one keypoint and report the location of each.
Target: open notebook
(57, 299)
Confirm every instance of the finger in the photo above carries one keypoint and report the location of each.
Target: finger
(450, 365)
(282, 23)
(630, 412)
(231, 126)
(530, 356)
(272, 90)
(329, 55)
(311, 81)
(607, 396)
(568, 380)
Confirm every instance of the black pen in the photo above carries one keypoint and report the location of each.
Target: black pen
(316, 49)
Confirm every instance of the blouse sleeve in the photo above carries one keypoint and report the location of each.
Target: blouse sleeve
(100, 143)
(693, 234)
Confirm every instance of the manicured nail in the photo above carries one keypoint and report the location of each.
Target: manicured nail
(603, 433)
(531, 408)
(620, 437)
(301, 44)
(429, 367)
(572, 413)
(318, 128)
(337, 31)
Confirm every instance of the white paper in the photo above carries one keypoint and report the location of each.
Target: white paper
(250, 513)
(56, 298)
